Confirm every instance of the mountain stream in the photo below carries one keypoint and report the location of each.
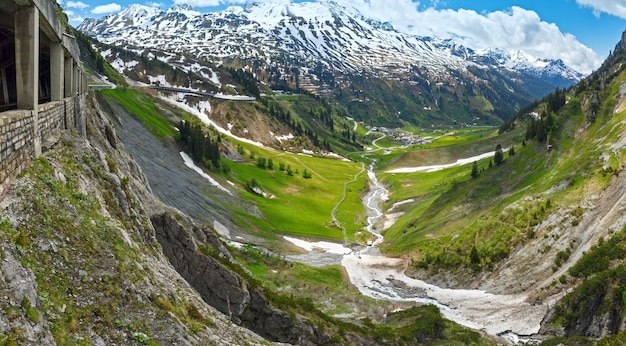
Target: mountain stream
(378, 276)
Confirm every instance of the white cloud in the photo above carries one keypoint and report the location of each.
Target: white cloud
(76, 4)
(612, 7)
(211, 3)
(77, 19)
(154, 4)
(104, 9)
(515, 29)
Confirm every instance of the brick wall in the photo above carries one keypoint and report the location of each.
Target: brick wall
(16, 145)
(17, 134)
(51, 117)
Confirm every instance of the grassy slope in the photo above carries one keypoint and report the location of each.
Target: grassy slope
(313, 198)
(143, 107)
(300, 206)
(600, 272)
(453, 213)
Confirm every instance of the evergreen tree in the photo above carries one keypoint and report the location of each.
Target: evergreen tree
(261, 162)
(474, 256)
(512, 151)
(474, 172)
(498, 156)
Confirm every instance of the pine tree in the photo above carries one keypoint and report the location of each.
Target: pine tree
(474, 256)
(474, 172)
(498, 157)
(512, 151)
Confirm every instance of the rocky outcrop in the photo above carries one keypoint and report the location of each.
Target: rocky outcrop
(224, 289)
(79, 260)
(17, 286)
(594, 309)
(217, 285)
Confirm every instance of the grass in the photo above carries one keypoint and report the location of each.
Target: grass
(447, 147)
(83, 279)
(145, 108)
(314, 198)
(452, 213)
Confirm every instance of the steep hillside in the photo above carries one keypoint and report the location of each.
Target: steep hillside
(543, 219)
(81, 260)
(335, 52)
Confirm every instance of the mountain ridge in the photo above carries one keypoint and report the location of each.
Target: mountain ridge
(338, 36)
(269, 17)
(335, 52)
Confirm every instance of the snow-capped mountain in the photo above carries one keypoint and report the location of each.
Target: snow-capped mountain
(553, 71)
(324, 32)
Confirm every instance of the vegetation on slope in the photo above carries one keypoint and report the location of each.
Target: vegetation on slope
(94, 61)
(456, 221)
(320, 192)
(281, 180)
(595, 308)
(79, 227)
(422, 324)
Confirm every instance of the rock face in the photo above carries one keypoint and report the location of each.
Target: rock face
(595, 309)
(224, 289)
(17, 285)
(218, 286)
(79, 260)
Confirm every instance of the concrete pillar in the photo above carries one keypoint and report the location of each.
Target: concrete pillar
(27, 65)
(75, 80)
(5, 87)
(68, 71)
(57, 64)
(81, 81)
(27, 56)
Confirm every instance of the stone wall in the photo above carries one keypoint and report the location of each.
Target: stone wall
(51, 117)
(16, 145)
(17, 134)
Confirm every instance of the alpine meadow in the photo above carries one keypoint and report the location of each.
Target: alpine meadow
(303, 173)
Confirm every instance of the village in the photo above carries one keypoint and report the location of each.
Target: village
(403, 137)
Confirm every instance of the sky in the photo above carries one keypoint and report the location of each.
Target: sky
(579, 32)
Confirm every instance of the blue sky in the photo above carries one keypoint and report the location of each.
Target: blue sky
(580, 32)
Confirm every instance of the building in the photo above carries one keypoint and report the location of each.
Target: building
(42, 84)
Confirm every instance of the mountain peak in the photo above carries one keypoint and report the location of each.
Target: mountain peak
(336, 35)
(185, 9)
(138, 10)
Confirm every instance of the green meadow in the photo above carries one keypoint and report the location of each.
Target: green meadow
(146, 108)
(294, 204)
(449, 213)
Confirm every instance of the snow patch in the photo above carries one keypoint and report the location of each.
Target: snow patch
(435, 168)
(325, 246)
(201, 112)
(221, 229)
(189, 163)
(283, 138)
(159, 80)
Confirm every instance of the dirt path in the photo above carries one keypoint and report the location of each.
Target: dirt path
(333, 212)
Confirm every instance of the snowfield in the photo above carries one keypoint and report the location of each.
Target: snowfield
(189, 163)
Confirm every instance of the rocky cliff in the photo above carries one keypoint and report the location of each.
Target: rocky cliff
(90, 255)
(224, 289)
